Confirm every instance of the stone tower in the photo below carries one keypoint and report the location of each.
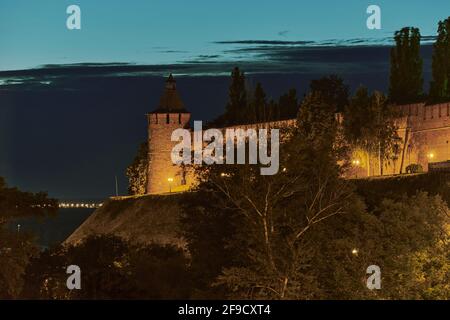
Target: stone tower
(164, 176)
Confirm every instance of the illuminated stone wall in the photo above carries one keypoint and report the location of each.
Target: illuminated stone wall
(425, 133)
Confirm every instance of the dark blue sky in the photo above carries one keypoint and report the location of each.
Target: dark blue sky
(72, 103)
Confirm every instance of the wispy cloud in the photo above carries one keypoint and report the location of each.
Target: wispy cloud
(258, 42)
(387, 41)
(349, 56)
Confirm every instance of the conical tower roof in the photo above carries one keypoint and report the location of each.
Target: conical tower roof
(170, 101)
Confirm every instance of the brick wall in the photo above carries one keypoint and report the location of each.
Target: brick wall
(425, 130)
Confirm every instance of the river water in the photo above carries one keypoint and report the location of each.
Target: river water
(54, 230)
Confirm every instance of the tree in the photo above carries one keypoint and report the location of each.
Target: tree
(137, 172)
(237, 98)
(247, 105)
(406, 237)
(273, 213)
(413, 247)
(238, 109)
(288, 105)
(406, 79)
(208, 227)
(16, 248)
(333, 90)
(369, 124)
(273, 111)
(112, 268)
(440, 86)
(260, 104)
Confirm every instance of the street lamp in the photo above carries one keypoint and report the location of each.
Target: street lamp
(170, 180)
(430, 156)
(356, 164)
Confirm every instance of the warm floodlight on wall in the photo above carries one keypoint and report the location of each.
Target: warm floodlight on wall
(170, 180)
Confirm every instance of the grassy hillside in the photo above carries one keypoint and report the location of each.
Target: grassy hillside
(144, 219)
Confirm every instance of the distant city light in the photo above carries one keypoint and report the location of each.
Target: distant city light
(92, 205)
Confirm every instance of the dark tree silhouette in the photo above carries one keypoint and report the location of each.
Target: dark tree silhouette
(137, 171)
(287, 105)
(333, 91)
(16, 248)
(440, 85)
(406, 79)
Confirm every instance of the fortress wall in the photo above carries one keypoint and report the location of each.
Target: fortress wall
(424, 129)
(429, 127)
(266, 125)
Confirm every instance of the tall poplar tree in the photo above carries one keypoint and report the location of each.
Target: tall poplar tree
(439, 86)
(260, 103)
(237, 101)
(406, 78)
(288, 105)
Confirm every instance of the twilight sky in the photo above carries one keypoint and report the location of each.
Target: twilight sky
(72, 102)
(34, 33)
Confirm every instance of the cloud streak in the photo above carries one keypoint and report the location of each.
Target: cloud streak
(350, 56)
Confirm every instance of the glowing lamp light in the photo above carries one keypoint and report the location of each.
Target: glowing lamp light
(170, 180)
(356, 162)
(355, 252)
(430, 155)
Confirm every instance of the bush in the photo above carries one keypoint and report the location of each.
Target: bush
(414, 168)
